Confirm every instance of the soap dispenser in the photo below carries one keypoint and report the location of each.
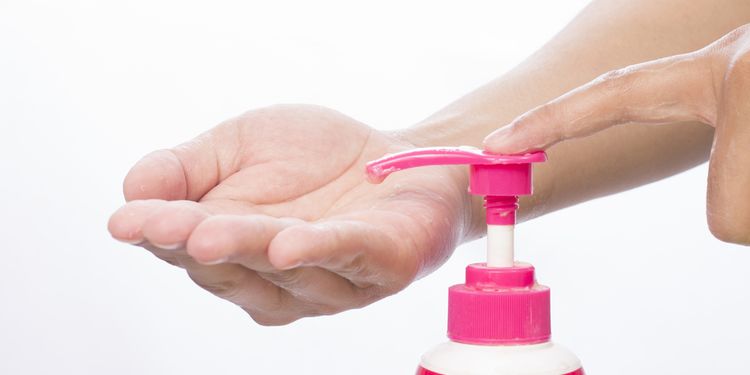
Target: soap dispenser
(499, 319)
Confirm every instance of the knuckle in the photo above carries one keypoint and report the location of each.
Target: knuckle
(529, 123)
(615, 80)
(167, 256)
(543, 114)
(228, 289)
(356, 265)
(610, 76)
(545, 123)
(289, 280)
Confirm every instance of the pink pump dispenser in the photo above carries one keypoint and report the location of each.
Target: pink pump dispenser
(499, 319)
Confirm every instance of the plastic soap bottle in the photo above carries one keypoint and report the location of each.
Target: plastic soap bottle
(499, 319)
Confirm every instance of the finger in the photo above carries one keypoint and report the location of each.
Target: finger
(244, 240)
(169, 226)
(238, 238)
(352, 249)
(321, 292)
(677, 88)
(175, 258)
(187, 171)
(126, 224)
(165, 224)
(728, 201)
(266, 303)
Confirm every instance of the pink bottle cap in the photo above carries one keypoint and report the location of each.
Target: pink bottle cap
(499, 306)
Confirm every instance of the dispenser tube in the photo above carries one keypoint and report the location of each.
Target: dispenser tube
(500, 246)
(501, 220)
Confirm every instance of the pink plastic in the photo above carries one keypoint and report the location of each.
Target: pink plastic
(500, 178)
(501, 210)
(496, 306)
(499, 306)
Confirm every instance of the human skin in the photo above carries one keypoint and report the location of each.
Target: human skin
(710, 85)
(271, 210)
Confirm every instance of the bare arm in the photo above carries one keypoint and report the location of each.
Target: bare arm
(311, 237)
(607, 34)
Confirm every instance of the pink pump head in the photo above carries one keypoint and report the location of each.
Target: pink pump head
(500, 178)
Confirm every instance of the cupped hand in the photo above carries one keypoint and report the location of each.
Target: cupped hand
(272, 211)
(711, 85)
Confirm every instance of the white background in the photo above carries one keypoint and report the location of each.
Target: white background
(87, 87)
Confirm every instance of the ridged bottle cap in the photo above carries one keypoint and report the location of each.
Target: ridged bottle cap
(499, 306)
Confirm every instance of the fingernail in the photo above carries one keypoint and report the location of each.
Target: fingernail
(173, 246)
(215, 261)
(495, 138)
(129, 241)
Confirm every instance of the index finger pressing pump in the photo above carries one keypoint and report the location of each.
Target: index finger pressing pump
(499, 319)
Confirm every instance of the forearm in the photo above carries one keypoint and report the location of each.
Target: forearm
(606, 35)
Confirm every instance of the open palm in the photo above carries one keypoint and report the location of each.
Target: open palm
(271, 211)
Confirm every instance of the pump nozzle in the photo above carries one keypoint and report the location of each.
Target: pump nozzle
(499, 178)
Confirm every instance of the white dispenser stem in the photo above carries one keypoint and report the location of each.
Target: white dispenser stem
(500, 246)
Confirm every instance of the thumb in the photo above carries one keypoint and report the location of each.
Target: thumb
(187, 171)
(158, 175)
(672, 89)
